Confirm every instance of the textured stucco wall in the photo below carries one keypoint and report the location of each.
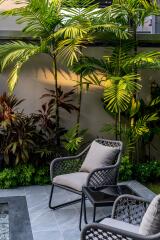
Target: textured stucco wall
(37, 75)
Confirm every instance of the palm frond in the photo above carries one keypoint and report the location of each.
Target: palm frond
(19, 52)
(71, 31)
(155, 102)
(141, 125)
(69, 50)
(118, 94)
(119, 31)
(16, 50)
(143, 58)
(39, 17)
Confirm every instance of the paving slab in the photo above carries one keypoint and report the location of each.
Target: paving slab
(61, 224)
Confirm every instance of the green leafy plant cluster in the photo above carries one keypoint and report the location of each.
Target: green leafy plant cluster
(73, 139)
(24, 175)
(126, 169)
(147, 172)
(29, 138)
(144, 172)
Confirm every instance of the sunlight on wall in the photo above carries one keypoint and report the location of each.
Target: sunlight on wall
(45, 76)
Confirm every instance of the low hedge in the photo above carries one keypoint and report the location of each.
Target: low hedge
(24, 175)
(27, 174)
(142, 172)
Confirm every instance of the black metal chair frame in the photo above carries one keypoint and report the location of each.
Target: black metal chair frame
(127, 208)
(97, 178)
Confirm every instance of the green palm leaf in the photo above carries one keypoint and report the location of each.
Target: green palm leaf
(150, 58)
(16, 50)
(19, 52)
(69, 49)
(119, 94)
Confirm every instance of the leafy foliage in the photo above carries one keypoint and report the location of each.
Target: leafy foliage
(73, 139)
(64, 99)
(118, 95)
(8, 105)
(137, 11)
(24, 175)
(61, 27)
(126, 169)
(146, 172)
(17, 53)
(45, 121)
(19, 140)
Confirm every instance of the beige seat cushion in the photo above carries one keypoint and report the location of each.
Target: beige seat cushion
(151, 220)
(120, 225)
(73, 180)
(99, 156)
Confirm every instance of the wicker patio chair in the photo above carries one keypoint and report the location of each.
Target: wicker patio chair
(70, 166)
(128, 210)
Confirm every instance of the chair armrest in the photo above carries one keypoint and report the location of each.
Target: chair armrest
(64, 165)
(130, 209)
(104, 232)
(103, 176)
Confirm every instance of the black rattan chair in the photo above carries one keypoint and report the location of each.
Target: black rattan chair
(99, 177)
(128, 209)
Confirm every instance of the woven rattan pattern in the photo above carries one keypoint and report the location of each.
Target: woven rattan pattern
(95, 233)
(103, 177)
(130, 210)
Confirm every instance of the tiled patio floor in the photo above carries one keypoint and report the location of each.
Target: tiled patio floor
(61, 224)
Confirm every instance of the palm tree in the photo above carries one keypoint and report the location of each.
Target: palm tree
(86, 15)
(61, 29)
(132, 13)
(115, 73)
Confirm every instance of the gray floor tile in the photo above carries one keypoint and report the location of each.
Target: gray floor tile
(44, 221)
(67, 219)
(61, 224)
(71, 234)
(48, 235)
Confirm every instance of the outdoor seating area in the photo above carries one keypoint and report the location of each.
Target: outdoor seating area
(79, 120)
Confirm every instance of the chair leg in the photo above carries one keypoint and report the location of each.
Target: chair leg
(50, 198)
(84, 210)
(94, 214)
(81, 212)
(60, 205)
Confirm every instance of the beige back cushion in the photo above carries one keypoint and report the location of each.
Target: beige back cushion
(151, 221)
(99, 156)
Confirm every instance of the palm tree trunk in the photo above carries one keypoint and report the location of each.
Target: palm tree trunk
(79, 102)
(57, 103)
(119, 125)
(135, 44)
(116, 126)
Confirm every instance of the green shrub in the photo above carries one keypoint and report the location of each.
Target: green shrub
(42, 176)
(126, 169)
(24, 175)
(142, 172)
(8, 178)
(147, 172)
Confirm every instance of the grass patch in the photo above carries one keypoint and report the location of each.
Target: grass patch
(154, 187)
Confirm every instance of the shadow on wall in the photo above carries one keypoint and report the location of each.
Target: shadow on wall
(37, 75)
